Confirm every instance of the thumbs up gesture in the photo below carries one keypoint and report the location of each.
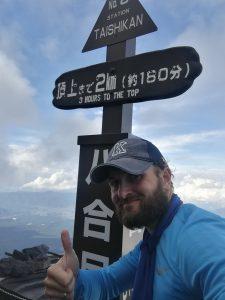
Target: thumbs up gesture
(61, 277)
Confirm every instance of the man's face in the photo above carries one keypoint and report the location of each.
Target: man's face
(140, 201)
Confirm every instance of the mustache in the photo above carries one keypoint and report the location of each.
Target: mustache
(121, 201)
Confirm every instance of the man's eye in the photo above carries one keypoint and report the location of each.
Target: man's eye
(113, 183)
(135, 178)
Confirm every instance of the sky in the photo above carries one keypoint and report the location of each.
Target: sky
(41, 39)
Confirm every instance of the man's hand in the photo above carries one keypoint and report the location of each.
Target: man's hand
(61, 277)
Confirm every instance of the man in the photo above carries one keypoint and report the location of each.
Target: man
(182, 255)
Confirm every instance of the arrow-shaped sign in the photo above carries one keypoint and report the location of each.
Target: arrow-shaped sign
(119, 20)
(149, 76)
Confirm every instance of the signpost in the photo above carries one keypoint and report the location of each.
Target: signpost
(116, 84)
(149, 76)
(97, 233)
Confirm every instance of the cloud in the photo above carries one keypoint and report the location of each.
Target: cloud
(193, 188)
(203, 105)
(18, 108)
(22, 46)
(25, 157)
(175, 143)
(206, 33)
(61, 180)
(179, 142)
(7, 171)
(175, 125)
(50, 48)
(63, 25)
(17, 94)
(191, 8)
(12, 41)
(197, 162)
(50, 162)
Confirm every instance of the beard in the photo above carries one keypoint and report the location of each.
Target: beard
(151, 209)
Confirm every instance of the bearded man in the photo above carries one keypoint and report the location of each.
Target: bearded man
(182, 254)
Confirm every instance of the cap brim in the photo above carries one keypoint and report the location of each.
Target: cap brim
(128, 165)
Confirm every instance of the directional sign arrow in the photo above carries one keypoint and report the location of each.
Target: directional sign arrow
(119, 20)
(149, 76)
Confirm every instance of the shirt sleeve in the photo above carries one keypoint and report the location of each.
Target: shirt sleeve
(201, 258)
(109, 282)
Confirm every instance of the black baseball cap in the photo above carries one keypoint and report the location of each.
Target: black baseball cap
(131, 155)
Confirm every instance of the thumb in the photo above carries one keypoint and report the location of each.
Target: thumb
(66, 242)
(71, 260)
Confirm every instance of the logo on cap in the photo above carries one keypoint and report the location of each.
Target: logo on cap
(119, 148)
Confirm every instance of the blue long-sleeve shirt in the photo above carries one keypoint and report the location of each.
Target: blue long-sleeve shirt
(190, 262)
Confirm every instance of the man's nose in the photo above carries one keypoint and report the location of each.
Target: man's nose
(125, 189)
